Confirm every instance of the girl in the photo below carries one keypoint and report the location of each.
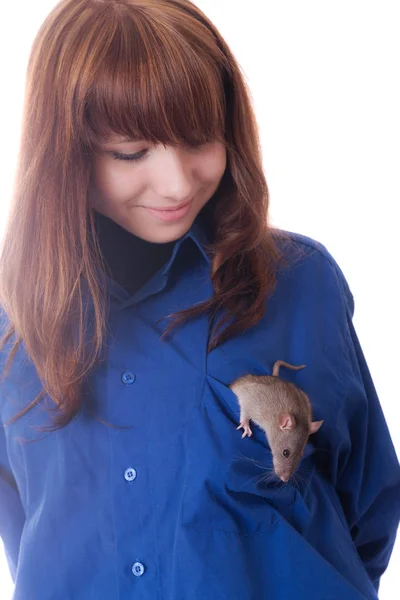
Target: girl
(139, 277)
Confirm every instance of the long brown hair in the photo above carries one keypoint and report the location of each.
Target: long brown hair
(150, 69)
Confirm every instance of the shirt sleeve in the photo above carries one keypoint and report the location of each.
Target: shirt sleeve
(367, 471)
(12, 515)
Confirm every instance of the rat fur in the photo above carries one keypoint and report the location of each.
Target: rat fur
(282, 410)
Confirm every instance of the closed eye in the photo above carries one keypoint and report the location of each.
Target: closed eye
(139, 155)
(129, 157)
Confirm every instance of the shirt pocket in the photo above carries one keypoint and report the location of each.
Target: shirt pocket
(228, 484)
(318, 516)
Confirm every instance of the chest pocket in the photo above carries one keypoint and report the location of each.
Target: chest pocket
(228, 480)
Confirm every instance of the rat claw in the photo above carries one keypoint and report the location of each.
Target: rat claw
(247, 430)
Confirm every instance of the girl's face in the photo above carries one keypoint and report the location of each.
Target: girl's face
(142, 194)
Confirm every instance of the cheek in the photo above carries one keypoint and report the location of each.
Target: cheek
(214, 164)
(114, 181)
(220, 158)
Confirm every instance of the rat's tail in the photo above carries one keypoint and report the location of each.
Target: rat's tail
(275, 372)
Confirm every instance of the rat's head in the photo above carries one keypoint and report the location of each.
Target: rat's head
(288, 441)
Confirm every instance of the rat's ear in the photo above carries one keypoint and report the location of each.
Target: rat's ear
(314, 426)
(287, 421)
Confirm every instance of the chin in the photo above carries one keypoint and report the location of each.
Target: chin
(163, 233)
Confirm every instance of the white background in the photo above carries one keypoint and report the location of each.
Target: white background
(324, 78)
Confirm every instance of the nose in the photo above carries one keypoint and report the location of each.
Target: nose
(173, 179)
(284, 475)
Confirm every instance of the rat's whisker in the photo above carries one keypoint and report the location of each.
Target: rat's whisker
(257, 462)
(300, 472)
(268, 476)
(295, 482)
(257, 477)
(302, 482)
(239, 457)
(252, 460)
(269, 470)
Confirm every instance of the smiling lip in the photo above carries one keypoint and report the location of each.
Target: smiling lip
(170, 208)
(170, 214)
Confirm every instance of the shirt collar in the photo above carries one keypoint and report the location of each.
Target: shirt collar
(199, 233)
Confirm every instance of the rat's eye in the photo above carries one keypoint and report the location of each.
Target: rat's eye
(286, 453)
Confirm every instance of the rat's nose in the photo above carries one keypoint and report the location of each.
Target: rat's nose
(283, 472)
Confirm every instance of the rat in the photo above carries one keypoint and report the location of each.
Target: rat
(282, 410)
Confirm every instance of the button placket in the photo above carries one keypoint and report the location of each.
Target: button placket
(130, 473)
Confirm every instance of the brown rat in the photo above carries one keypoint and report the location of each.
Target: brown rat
(282, 410)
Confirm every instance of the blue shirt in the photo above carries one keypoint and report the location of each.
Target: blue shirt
(176, 506)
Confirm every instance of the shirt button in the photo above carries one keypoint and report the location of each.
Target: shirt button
(130, 474)
(128, 377)
(138, 569)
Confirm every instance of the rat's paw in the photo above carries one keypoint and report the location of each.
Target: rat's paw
(247, 431)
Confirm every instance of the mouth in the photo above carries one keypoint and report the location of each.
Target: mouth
(170, 214)
(172, 208)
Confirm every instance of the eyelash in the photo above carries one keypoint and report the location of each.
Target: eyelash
(129, 157)
(140, 155)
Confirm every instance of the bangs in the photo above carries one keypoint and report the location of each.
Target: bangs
(152, 83)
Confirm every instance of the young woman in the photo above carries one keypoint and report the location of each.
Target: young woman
(139, 277)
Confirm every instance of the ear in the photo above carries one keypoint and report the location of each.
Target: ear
(287, 421)
(314, 426)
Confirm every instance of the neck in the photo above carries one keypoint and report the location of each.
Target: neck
(130, 260)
